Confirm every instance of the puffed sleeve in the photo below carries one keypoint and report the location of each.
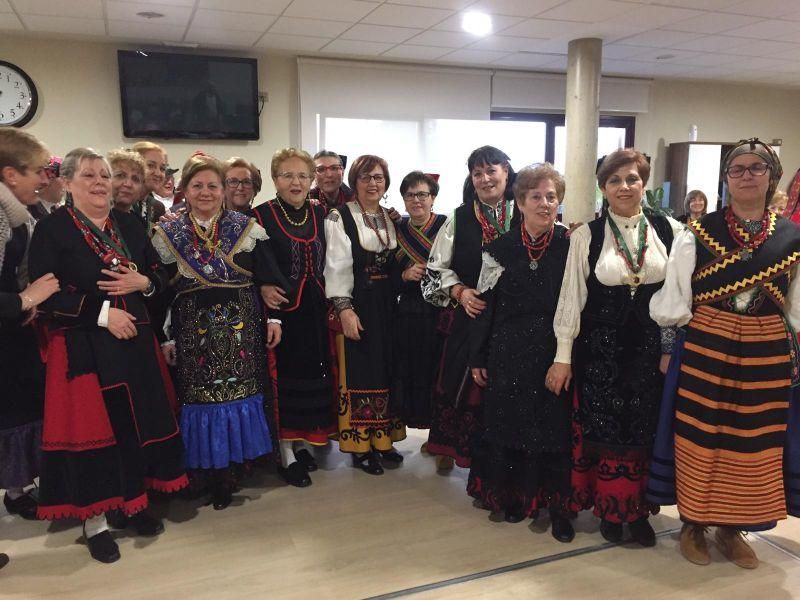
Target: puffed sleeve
(338, 259)
(792, 307)
(672, 304)
(439, 277)
(573, 295)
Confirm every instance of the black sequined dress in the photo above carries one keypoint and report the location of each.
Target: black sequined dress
(520, 460)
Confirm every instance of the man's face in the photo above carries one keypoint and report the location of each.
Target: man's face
(329, 174)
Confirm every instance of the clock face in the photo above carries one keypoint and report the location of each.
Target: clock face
(18, 96)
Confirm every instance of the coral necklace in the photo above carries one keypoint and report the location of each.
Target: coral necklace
(748, 241)
(369, 223)
(535, 248)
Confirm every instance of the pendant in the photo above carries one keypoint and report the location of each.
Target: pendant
(208, 269)
(114, 264)
(534, 264)
(745, 254)
(636, 281)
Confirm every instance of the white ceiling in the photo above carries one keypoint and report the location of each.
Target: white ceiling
(729, 40)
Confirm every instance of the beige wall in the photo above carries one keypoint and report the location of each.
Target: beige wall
(79, 95)
(79, 103)
(722, 113)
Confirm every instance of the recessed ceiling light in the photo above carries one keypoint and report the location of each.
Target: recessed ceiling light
(665, 56)
(476, 23)
(149, 14)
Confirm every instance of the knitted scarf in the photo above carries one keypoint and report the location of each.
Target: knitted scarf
(12, 214)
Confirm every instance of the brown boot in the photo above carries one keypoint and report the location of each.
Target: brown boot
(444, 463)
(693, 544)
(732, 544)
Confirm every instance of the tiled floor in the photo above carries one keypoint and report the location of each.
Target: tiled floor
(410, 533)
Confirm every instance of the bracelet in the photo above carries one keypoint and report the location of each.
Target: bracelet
(459, 293)
(150, 289)
(25, 298)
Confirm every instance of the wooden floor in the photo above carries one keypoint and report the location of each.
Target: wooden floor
(409, 533)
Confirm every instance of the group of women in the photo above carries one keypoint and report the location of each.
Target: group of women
(536, 356)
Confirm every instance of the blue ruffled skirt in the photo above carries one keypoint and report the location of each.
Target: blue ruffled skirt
(216, 435)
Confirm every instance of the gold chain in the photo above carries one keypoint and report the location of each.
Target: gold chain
(286, 215)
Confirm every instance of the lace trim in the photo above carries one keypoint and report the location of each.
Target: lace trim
(491, 270)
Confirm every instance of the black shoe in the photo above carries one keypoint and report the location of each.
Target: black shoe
(116, 519)
(612, 532)
(24, 506)
(305, 458)
(392, 456)
(102, 547)
(369, 463)
(3, 560)
(561, 529)
(642, 532)
(512, 516)
(221, 497)
(295, 474)
(145, 525)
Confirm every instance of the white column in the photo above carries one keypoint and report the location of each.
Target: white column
(582, 119)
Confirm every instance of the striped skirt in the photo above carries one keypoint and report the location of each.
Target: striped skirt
(730, 422)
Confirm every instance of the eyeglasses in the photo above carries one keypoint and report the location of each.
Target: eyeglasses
(409, 196)
(321, 170)
(302, 177)
(366, 178)
(232, 182)
(756, 170)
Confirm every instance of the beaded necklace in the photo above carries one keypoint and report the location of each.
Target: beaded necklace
(109, 246)
(373, 226)
(491, 229)
(622, 249)
(746, 240)
(286, 215)
(536, 249)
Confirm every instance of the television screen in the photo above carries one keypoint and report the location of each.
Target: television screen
(188, 96)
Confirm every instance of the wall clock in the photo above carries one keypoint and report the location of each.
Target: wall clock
(18, 96)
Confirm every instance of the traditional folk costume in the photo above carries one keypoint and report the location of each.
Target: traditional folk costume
(305, 411)
(521, 462)
(218, 328)
(109, 431)
(615, 265)
(357, 267)
(21, 369)
(455, 258)
(723, 450)
(418, 343)
(343, 195)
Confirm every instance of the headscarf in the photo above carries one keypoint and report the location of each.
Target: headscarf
(765, 152)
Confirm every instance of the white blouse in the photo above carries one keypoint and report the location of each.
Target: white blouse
(672, 304)
(610, 270)
(339, 254)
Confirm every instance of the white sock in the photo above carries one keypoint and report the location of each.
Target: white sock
(287, 453)
(95, 525)
(14, 493)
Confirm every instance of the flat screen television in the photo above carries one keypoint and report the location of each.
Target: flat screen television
(188, 96)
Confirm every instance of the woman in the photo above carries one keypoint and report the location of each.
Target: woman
(242, 184)
(521, 462)
(22, 173)
(215, 258)
(417, 342)
(694, 206)
(127, 178)
(361, 239)
(109, 431)
(148, 209)
(732, 283)
(296, 227)
(778, 202)
(451, 278)
(615, 264)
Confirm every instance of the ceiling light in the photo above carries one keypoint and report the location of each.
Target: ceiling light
(149, 14)
(476, 23)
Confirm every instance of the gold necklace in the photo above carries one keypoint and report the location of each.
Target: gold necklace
(286, 215)
(208, 236)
